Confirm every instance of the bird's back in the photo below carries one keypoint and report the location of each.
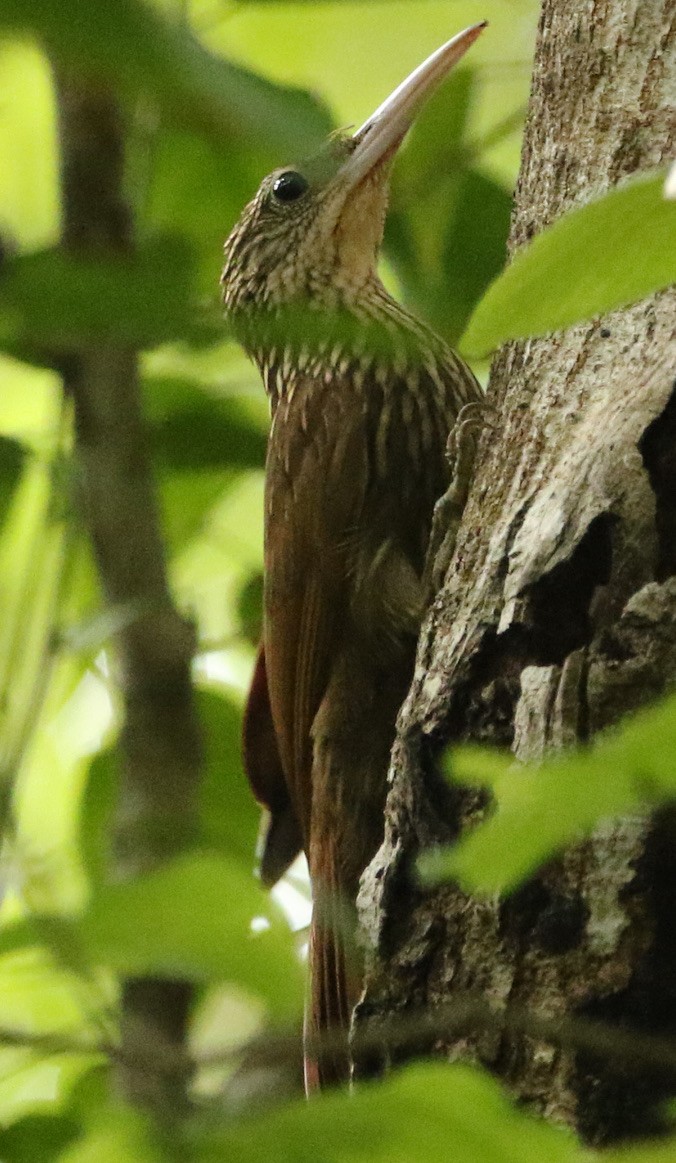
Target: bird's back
(356, 461)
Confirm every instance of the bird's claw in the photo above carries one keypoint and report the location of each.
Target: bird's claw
(461, 451)
(469, 424)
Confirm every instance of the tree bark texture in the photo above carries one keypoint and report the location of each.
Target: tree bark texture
(557, 616)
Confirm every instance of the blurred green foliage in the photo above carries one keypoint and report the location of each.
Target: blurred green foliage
(446, 231)
(215, 94)
(428, 1113)
(538, 810)
(607, 254)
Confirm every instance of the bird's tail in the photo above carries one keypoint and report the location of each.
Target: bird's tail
(335, 985)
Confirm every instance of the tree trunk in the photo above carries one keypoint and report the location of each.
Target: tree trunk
(557, 616)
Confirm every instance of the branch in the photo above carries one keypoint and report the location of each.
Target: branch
(160, 739)
(378, 1042)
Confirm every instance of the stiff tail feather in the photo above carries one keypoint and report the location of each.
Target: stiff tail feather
(335, 985)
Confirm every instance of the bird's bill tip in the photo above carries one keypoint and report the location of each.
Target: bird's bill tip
(384, 130)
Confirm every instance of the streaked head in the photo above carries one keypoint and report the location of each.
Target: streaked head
(312, 232)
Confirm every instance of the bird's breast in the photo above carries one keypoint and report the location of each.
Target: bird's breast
(356, 455)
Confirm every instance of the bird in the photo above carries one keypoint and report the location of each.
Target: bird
(363, 398)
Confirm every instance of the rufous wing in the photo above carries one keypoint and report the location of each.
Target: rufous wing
(280, 839)
(312, 507)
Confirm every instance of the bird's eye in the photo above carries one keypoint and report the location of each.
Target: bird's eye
(290, 186)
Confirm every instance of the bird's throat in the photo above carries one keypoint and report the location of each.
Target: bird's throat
(371, 334)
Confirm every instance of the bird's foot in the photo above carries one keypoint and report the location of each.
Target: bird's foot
(461, 451)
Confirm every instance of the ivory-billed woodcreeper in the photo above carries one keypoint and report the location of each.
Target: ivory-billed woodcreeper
(363, 398)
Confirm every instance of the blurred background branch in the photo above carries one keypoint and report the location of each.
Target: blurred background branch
(157, 809)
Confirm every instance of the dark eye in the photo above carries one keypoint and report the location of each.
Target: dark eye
(289, 186)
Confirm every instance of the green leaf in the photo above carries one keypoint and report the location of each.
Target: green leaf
(116, 1135)
(97, 808)
(12, 456)
(607, 254)
(192, 918)
(228, 811)
(426, 1114)
(446, 230)
(435, 145)
(198, 191)
(188, 498)
(229, 815)
(29, 205)
(200, 442)
(191, 428)
(37, 1137)
(15, 935)
(423, 186)
(128, 44)
(31, 1084)
(539, 810)
(474, 248)
(250, 608)
(138, 300)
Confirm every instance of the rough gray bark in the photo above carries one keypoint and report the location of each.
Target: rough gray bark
(558, 614)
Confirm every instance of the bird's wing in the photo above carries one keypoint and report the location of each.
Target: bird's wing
(280, 838)
(312, 502)
(259, 742)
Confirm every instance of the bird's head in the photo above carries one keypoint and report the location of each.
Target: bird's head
(312, 233)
